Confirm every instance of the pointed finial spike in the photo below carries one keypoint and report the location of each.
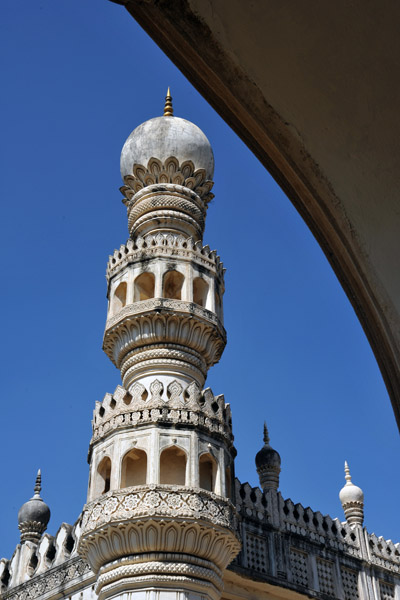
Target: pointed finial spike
(38, 483)
(168, 110)
(347, 472)
(266, 435)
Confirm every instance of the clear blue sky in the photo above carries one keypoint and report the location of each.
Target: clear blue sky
(77, 77)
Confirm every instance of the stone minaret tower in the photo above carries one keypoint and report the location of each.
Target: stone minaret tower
(159, 522)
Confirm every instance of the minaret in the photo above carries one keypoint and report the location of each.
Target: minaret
(159, 522)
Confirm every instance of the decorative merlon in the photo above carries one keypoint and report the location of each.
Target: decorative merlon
(158, 245)
(170, 405)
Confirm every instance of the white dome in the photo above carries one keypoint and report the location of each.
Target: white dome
(163, 137)
(350, 492)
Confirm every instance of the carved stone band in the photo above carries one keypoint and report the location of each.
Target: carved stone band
(161, 320)
(167, 519)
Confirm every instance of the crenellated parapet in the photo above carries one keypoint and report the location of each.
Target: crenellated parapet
(41, 570)
(165, 245)
(305, 551)
(170, 405)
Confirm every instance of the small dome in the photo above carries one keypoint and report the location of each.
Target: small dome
(34, 510)
(167, 136)
(268, 463)
(34, 515)
(350, 492)
(267, 456)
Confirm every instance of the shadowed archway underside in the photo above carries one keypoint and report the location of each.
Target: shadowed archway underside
(311, 89)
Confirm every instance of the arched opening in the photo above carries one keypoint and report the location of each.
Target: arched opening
(207, 472)
(218, 305)
(172, 285)
(134, 468)
(144, 287)
(173, 466)
(119, 298)
(228, 482)
(200, 291)
(103, 476)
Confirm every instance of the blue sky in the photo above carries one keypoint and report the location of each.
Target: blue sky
(77, 77)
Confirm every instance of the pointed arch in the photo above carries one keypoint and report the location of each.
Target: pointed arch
(103, 477)
(200, 291)
(172, 285)
(208, 468)
(119, 298)
(173, 466)
(134, 468)
(144, 286)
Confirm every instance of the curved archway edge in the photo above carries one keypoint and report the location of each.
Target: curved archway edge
(205, 45)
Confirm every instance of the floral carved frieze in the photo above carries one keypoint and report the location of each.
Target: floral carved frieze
(162, 519)
(160, 501)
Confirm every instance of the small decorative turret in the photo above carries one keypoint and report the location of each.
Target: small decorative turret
(268, 463)
(352, 499)
(34, 515)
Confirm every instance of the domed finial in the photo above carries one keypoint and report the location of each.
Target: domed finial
(34, 515)
(38, 485)
(266, 435)
(168, 110)
(268, 463)
(352, 499)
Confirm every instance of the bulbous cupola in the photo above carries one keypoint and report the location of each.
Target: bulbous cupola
(352, 499)
(167, 165)
(268, 463)
(34, 515)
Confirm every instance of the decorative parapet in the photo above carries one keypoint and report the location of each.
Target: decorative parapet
(170, 502)
(173, 405)
(300, 549)
(383, 553)
(164, 244)
(164, 321)
(40, 571)
(166, 304)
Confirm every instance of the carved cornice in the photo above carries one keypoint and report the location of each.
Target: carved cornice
(163, 519)
(171, 406)
(164, 245)
(161, 320)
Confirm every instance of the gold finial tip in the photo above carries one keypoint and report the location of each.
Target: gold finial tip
(168, 110)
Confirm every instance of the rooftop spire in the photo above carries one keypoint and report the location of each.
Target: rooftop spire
(38, 484)
(266, 435)
(347, 475)
(168, 110)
